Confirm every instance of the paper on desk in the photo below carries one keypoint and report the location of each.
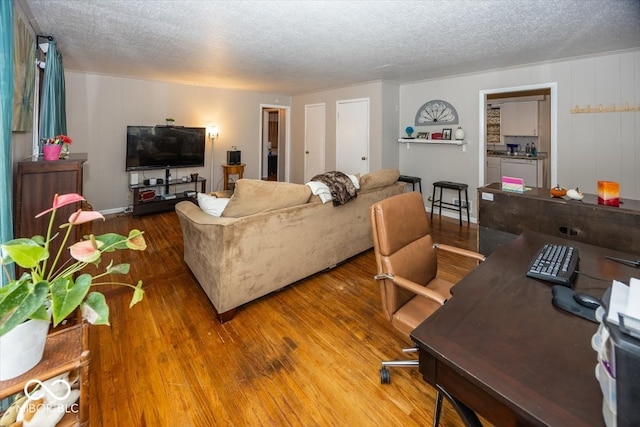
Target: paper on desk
(624, 299)
(632, 313)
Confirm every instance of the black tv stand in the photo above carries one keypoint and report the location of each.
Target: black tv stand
(158, 203)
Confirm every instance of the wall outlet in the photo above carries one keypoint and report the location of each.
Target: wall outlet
(456, 202)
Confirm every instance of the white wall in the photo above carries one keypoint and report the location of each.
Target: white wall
(383, 121)
(99, 108)
(591, 147)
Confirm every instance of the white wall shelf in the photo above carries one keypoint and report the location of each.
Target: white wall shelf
(432, 141)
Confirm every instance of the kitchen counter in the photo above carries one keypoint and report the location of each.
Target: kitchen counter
(520, 155)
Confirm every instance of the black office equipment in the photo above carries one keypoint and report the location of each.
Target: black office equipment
(587, 300)
(233, 157)
(564, 299)
(620, 382)
(554, 263)
(631, 262)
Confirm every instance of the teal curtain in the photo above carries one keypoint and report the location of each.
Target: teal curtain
(53, 115)
(6, 118)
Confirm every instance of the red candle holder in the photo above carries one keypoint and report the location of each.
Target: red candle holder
(608, 193)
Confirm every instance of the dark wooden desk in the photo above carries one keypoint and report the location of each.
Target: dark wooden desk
(504, 350)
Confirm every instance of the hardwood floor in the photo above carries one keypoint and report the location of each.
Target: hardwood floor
(307, 355)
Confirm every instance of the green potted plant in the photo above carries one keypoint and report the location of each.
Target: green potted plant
(49, 291)
(170, 121)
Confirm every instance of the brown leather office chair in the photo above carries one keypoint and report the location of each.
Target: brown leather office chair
(407, 271)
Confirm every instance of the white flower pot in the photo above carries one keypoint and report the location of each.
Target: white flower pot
(22, 348)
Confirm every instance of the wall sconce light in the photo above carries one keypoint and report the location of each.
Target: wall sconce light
(212, 133)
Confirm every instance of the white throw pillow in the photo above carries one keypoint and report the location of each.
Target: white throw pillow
(212, 204)
(355, 180)
(321, 190)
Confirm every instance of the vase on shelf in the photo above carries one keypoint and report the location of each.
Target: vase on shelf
(64, 151)
(22, 348)
(409, 131)
(459, 134)
(51, 151)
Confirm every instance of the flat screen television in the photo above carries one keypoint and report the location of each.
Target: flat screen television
(162, 147)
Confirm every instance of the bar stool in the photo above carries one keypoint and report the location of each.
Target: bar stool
(413, 180)
(440, 204)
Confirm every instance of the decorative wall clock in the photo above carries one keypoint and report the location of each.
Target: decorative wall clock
(435, 113)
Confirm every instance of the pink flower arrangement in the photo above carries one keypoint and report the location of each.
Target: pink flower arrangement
(59, 139)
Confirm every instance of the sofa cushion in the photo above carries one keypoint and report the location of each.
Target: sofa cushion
(252, 196)
(211, 204)
(224, 194)
(378, 179)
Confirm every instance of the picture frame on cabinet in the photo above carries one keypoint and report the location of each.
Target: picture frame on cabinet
(422, 135)
(446, 133)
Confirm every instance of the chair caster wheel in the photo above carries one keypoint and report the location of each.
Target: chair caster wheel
(385, 378)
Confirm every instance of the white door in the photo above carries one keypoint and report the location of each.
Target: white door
(314, 140)
(352, 136)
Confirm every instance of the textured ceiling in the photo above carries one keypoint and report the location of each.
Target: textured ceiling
(292, 47)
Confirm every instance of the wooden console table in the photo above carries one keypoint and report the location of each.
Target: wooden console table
(503, 215)
(228, 169)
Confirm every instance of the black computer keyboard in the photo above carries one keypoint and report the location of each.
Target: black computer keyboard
(555, 264)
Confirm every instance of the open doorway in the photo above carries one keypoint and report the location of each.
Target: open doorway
(274, 143)
(492, 137)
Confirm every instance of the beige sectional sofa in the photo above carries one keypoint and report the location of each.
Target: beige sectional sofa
(241, 258)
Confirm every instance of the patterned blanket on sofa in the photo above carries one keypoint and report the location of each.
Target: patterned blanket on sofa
(340, 185)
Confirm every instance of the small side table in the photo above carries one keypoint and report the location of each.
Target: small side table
(228, 169)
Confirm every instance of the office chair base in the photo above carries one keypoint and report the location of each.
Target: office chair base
(385, 377)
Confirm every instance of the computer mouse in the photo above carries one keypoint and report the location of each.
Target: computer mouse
(587, 300)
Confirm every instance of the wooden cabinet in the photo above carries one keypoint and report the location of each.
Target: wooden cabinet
(503, 215)
(519, 118)
(36, 183)
(66, 350)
